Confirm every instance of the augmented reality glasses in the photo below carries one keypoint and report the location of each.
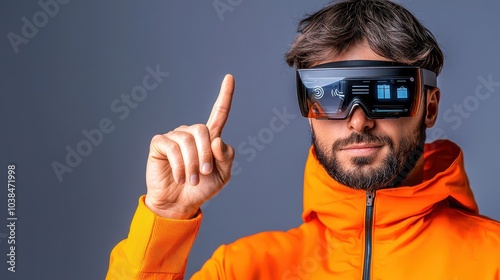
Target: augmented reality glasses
(382, 89)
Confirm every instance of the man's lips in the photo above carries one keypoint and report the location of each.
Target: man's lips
(362, 149)
(361, 146)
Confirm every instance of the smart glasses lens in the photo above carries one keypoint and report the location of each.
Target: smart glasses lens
(381, 90)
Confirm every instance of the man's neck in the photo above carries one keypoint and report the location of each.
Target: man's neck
(416, 175)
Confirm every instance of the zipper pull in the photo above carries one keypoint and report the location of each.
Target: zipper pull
(370, 196)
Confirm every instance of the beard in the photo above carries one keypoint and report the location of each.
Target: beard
(393, 170)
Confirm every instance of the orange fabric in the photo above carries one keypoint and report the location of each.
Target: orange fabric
(156, 247)
(429, 231)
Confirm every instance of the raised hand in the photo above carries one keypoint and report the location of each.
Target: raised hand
(190, 164)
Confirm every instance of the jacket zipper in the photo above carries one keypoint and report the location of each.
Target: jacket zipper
(370, 197)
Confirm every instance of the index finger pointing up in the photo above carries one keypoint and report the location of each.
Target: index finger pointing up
(220, 111)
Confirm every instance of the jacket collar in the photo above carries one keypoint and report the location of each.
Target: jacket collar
(341, 208)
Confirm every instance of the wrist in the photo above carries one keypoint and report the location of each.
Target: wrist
(172, 212)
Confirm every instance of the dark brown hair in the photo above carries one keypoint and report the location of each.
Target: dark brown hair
(390, 30)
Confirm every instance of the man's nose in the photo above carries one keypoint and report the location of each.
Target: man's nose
(358, 121)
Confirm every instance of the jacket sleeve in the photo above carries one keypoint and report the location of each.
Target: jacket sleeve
(156, 247)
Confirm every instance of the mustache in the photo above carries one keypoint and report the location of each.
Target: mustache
(358, 138)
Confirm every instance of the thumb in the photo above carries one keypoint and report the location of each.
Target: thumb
(224, 155)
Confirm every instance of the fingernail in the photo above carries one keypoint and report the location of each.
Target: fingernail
(193, 180)
(205, 168)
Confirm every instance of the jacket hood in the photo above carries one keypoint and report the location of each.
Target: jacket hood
(340, 207)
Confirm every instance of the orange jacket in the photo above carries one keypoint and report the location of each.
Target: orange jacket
(429, 231)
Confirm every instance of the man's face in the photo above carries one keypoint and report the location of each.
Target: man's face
(370, 160)
(365, 153)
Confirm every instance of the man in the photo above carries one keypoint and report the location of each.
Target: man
(379, 203)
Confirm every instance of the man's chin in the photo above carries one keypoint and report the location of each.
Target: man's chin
(366, 170)
(360, 162)
(374, 161)
(366, 166)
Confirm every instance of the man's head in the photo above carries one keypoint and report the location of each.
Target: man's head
(360, 152)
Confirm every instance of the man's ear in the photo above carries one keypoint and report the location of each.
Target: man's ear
(432, 105)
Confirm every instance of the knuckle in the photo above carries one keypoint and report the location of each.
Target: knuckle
(181, 128)
(169, 134)
(199, 128)
(158, 138)
(223, 109)
(185, 137)
(180, 137)
(171, 147)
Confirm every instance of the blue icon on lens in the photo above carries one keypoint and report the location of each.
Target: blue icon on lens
(402, 92)
(383, 92)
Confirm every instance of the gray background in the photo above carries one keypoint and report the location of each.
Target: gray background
(66, 77)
